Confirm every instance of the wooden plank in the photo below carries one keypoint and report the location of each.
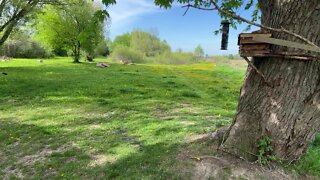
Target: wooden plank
(246, 38)
(281, 42)
(255, 52)
(255, 47)
(251, 35)
(301, 58)
(249, 41)
(254, 55)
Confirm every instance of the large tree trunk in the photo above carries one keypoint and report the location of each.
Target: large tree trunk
(289, 112)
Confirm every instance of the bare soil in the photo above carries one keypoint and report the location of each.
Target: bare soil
(220, 165)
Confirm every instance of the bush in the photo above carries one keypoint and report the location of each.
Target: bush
(60, 52)
(230, 56)
(102, 49)
(174, 58)
(23, 48)
(126, 55)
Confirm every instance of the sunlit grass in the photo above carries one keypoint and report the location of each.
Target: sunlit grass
(76, 120)
(59, 119)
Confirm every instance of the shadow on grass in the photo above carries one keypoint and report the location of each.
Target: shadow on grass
(29, 151)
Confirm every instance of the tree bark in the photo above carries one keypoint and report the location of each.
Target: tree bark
(288, 112)
(89, 58)
(76, 52)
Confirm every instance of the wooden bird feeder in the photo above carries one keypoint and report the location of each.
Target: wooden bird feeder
(225, 34)
(258, 44)
(251, 48)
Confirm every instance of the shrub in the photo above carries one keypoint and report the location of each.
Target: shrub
(147, 43)
(127, 55)
(102, 49)
(230, 56)
(24, 48)
(174, 58)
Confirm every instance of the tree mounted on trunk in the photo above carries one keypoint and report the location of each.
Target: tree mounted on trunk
(288, 112)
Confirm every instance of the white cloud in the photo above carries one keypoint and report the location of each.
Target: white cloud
(128, 11)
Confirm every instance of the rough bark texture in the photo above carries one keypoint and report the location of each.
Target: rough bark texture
(289, 112)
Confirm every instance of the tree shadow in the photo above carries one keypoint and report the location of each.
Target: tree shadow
(52, 152)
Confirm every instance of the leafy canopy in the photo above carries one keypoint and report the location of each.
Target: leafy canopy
(144, 42)
(71, 27)
(231, 6)
(13, 13)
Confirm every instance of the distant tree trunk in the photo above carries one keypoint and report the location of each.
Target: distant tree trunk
(89, 58)
(288, 113)
(76, 52)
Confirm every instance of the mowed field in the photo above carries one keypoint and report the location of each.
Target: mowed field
(64, 120)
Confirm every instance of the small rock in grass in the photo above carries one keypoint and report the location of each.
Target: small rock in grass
(102, 65)
(6, 58)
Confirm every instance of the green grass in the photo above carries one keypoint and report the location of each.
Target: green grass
(310, 163)
(79, 121)
(64, 120)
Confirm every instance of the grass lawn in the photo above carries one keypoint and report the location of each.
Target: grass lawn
(59, 119)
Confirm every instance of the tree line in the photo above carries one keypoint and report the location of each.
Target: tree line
(53, 28)
(140, 46)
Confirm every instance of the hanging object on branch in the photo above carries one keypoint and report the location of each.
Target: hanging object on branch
(225, 34)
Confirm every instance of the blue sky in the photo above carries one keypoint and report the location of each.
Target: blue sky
(185, 32)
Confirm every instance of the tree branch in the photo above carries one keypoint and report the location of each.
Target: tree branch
(196, 7)
(260, 25)
(7, 32)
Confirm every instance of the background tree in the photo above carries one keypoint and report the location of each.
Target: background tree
(142, 41)
(71, 28)
(145, 42)
(199, 52)
(15, 12)
(103, 48)
(122, 40)
(286, 109)
(145, 47)
(22, 45)
(165, 47)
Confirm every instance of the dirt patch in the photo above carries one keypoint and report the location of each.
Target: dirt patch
(220, 165)
(29, 161)
(176, 112)
(94, 126)
(102, 159)
(197, 137)
(186, 108)
(40, 156)
(227, 167)
(163, 114)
